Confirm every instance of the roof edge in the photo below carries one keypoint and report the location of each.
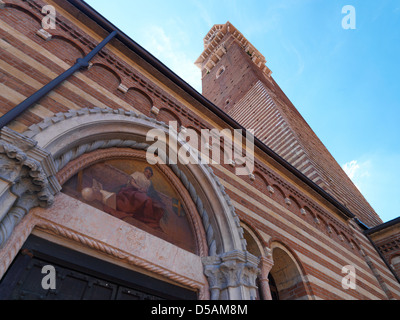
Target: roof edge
(383, 226)
(157, 64)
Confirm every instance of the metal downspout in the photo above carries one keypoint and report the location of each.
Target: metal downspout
(33, 99)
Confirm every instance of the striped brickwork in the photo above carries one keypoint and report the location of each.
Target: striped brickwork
(252, 97)
(275, 204)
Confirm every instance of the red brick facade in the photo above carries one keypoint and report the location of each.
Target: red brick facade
(301, 230)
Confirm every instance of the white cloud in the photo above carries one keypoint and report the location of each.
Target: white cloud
(376, 177)
(359, 173)
(167, 49)
(351, 168)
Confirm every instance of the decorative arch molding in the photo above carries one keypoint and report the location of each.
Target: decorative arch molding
(26, 180)
(229, 267)
(256, 238)
(265, 260)
(230, 270)
(69, 135)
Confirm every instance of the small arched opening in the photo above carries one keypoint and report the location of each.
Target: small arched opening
(265, 282)
(286, 276)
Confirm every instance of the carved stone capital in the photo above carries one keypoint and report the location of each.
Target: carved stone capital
(27, 179)
(266, 265)
(232, 275)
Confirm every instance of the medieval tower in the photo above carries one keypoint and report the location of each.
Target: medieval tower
(78, 194)
(235, 78)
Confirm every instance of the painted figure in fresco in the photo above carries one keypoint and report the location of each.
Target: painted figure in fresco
(137, 199)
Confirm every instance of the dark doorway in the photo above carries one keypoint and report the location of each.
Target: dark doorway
(79, 277)
(273, 288)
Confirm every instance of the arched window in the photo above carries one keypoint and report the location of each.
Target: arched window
(254, 246)
(220, 72)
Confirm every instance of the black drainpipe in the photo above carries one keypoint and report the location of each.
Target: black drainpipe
(33, 99)
(367, 231)
(382, 256)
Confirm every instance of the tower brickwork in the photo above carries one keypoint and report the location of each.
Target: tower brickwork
(72, 159)
(235, 78)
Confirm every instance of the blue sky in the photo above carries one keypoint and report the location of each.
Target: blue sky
(344, 82)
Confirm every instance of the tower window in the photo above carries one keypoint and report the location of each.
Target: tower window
(220, 71)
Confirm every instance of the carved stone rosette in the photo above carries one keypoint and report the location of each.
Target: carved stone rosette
(26, 179)
(232, 275)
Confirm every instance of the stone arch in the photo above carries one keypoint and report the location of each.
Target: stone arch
(230, 269)
(256, 246)
(88, 130)
(288, 274)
